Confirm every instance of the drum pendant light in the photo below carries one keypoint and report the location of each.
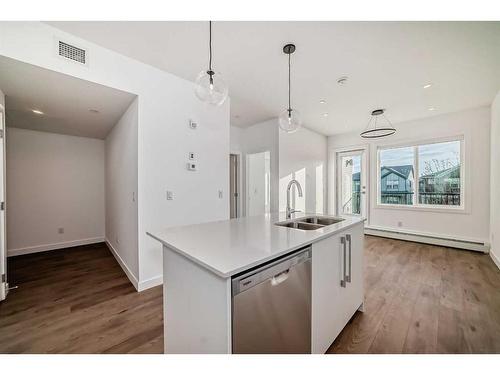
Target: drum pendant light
(378, 126)
(289, 119)
(210, 86)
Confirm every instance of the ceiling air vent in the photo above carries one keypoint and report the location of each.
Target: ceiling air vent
(73, 53)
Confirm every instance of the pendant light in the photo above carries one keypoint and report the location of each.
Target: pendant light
(289, 119)
(378, 126)
(210, 86)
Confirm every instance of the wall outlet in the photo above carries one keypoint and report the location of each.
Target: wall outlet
(220, 194)
(60, 230)
(170, 195)
(191, 156)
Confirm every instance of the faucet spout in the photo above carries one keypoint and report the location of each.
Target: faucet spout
(289, 210)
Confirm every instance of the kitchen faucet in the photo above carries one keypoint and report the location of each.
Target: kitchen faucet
(290, 211)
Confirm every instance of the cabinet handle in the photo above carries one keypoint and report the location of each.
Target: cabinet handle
(344, 250)
(348, 239)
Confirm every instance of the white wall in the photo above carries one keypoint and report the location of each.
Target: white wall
(121, 191)
(165, 105)
(303, 155)
(473, 224)
(258, 176)
(236, 139)
(53, 181)
(495, 181)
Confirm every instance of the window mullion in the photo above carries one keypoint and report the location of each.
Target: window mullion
(415, 168)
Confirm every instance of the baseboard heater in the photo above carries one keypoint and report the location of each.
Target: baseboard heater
(429, 239)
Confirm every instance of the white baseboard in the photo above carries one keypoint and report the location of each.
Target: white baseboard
(150, 283)
(124, 267)
(429, 238)
(53, 246)
(495, 259)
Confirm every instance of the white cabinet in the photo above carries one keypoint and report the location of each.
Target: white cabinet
(337, 291)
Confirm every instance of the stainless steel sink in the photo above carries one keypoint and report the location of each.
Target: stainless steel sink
(310, 222)
(300, 225)
(322, 220)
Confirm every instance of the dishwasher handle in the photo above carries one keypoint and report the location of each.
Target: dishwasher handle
(275, 272)
(280, 277)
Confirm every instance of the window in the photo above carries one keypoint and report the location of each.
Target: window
(421, 175)
(396, 167)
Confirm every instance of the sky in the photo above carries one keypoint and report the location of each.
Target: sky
(448, 152)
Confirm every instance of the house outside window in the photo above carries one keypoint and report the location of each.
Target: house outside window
(421, 175)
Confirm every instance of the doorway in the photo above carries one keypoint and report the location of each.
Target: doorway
(234, 186)
(351, 183)
(68, 168)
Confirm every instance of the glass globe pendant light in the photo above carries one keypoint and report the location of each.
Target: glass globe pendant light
(210, 87)
(376, 128)
(289, 119)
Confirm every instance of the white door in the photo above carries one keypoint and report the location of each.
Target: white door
(351, 183)
(3, 241)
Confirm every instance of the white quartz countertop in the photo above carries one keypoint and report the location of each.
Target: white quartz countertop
(231, 246)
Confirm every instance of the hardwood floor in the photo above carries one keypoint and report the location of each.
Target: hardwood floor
(418, 299)
(425, 299)
(78, 300)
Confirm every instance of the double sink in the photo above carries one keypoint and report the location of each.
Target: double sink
(310, 222)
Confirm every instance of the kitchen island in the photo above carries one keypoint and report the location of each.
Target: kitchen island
(202, 262)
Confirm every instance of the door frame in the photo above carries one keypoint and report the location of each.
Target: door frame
(334, 177)
(3, 213)
(239, 180)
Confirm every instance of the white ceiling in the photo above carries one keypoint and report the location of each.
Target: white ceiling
(387, 64)
(64, 100)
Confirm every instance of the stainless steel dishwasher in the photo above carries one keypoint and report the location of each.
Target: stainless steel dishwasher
(272, 307)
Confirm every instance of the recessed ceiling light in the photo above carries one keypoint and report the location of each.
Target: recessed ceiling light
(325, 114)
(342, 80)
(37, 111)
(92, 110)
(322, 101)
(427, 85)
(431, 108)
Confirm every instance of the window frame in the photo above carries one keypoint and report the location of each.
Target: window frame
(418, 206)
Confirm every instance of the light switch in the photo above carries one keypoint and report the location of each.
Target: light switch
(193, 124)
(191, 166)
(220, 194)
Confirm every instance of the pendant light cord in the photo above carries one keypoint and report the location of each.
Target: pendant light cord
(210, 46)
(289, 84)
